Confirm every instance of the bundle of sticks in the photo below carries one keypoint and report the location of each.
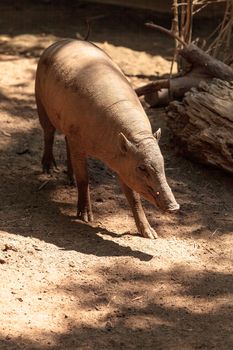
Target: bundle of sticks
(195, 64)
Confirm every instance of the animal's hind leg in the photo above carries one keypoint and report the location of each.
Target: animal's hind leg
(48, 160)
(79, 163)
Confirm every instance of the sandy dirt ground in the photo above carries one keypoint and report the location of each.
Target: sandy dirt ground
(70, 285)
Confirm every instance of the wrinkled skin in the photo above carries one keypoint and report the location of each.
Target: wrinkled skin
(146, 174)
(82, 93)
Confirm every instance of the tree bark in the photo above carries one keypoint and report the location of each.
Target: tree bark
(203, 123)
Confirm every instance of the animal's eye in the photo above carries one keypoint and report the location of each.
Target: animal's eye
(143, 170)
(142, 167)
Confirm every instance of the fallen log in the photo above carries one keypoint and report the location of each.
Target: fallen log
(202, 123)
(161, 92)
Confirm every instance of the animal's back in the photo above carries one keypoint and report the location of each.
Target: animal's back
(85, 93)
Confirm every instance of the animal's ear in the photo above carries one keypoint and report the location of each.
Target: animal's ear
(157, 134)
(124, 144)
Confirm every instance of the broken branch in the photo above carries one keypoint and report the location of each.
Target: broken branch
(152, 87)
(166, 31)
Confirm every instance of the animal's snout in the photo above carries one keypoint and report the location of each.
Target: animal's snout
(169, 208)
(173, 207)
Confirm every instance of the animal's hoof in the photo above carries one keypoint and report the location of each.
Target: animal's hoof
(70, 181)
(85, 216)
(70, 177)
(149, 232)
(48, 163)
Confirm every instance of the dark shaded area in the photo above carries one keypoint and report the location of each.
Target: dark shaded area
(64, 19)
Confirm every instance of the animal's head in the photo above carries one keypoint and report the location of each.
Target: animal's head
(143, 170)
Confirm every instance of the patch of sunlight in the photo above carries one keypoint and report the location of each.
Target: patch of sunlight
(19, 43)
(140, 62)
(197, 305)
(5, 142)
(34, 313)
(145, 322)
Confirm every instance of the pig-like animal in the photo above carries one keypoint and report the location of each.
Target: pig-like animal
(82, 93)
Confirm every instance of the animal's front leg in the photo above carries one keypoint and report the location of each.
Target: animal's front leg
(141, 221)
(79, 163)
